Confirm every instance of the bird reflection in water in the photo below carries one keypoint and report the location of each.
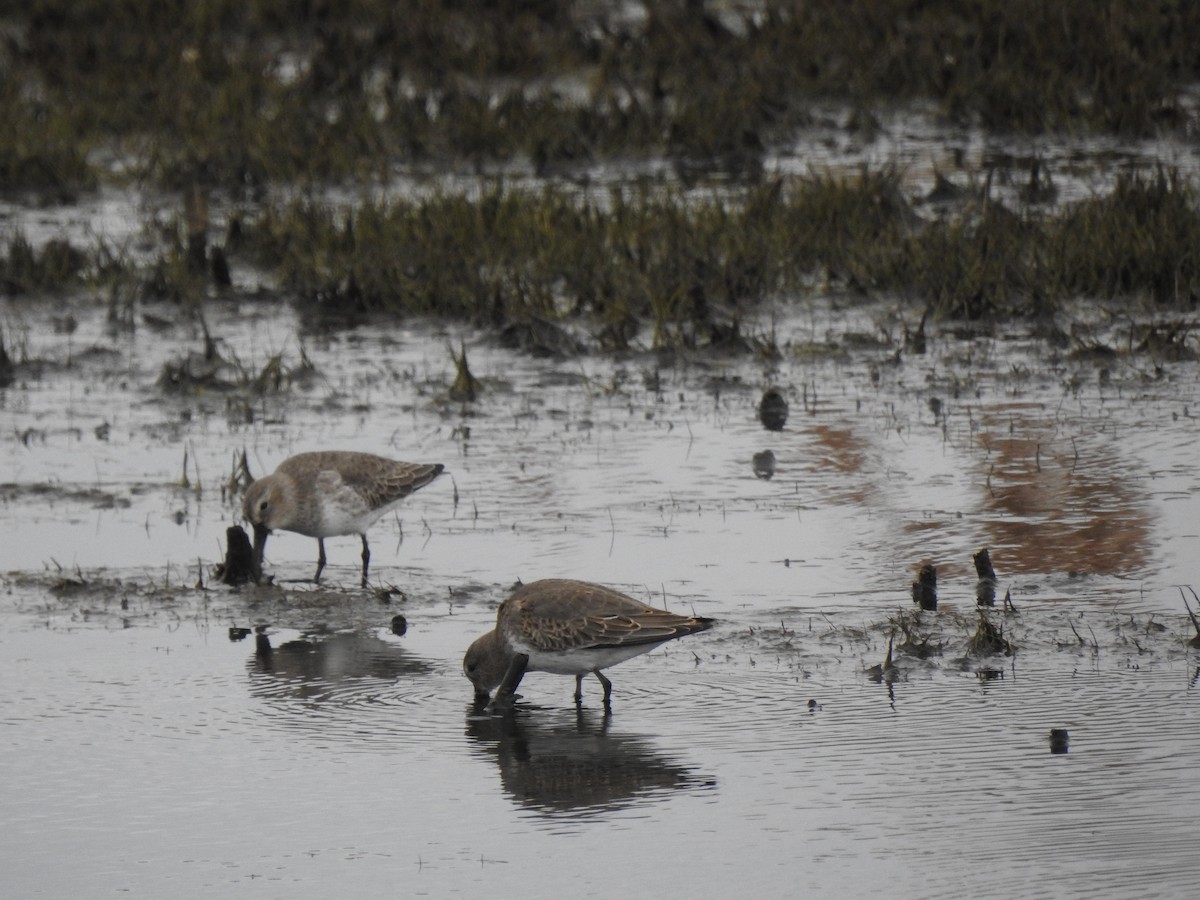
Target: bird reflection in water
(320, 666)
(573, 764)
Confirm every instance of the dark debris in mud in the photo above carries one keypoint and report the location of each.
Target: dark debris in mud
(65, 601)
(62, 600)
(211, 370)
(914, 643)
(1195, 641)
(885, 648)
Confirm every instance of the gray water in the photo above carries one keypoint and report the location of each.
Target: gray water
(146, 752)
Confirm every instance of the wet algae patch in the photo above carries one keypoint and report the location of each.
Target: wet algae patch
(268, 91)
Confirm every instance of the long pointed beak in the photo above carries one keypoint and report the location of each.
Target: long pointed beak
(260, 544)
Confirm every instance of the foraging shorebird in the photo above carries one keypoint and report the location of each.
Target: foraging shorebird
(330, 493)
(568, 628)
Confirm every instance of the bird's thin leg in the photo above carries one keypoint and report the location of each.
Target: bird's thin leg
(320, 560)
(579, 688)
(366, 557)
(607, 685)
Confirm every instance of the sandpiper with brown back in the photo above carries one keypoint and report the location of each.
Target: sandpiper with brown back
(568, 628)
(330, 493)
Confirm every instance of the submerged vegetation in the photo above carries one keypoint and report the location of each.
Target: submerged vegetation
(234, 100)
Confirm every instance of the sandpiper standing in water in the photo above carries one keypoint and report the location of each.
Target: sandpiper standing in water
(568, 628)
(330, 493)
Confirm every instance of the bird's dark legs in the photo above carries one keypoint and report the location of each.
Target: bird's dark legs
(366, 558)
(320, 560)
(600, 677)
(607, 686)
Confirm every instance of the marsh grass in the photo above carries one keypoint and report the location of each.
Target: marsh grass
(55, 266)
(677, 267)
(690, 268)
(922, 639)
(245, 93)
(209, 370)
(230, 97)
(1144, 236)
(693, 268)
(988, 639)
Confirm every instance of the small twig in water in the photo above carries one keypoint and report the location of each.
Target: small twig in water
(1191, 615)
(196, 469)
(1078, 637)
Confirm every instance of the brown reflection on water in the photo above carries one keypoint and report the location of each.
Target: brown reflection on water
(1061, 503)
(575, 765)
(840, 451)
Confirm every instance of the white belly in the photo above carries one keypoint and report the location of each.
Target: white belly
(580, 662)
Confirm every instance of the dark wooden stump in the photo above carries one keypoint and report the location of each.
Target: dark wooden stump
(924, 589)
(773, 410)
(1060, 740)
(985, 588)
(219, 265)
(262, 643)
(238, 567)
(195, 214)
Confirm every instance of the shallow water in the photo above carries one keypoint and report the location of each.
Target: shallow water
(145, 751)
(147, 760)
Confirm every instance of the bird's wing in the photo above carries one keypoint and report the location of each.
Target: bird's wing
(394, 482)
(550, 626)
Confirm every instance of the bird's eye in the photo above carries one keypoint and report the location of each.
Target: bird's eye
(262, 505)
(471, 667)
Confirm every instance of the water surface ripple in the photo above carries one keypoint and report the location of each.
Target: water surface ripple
(145, 752)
